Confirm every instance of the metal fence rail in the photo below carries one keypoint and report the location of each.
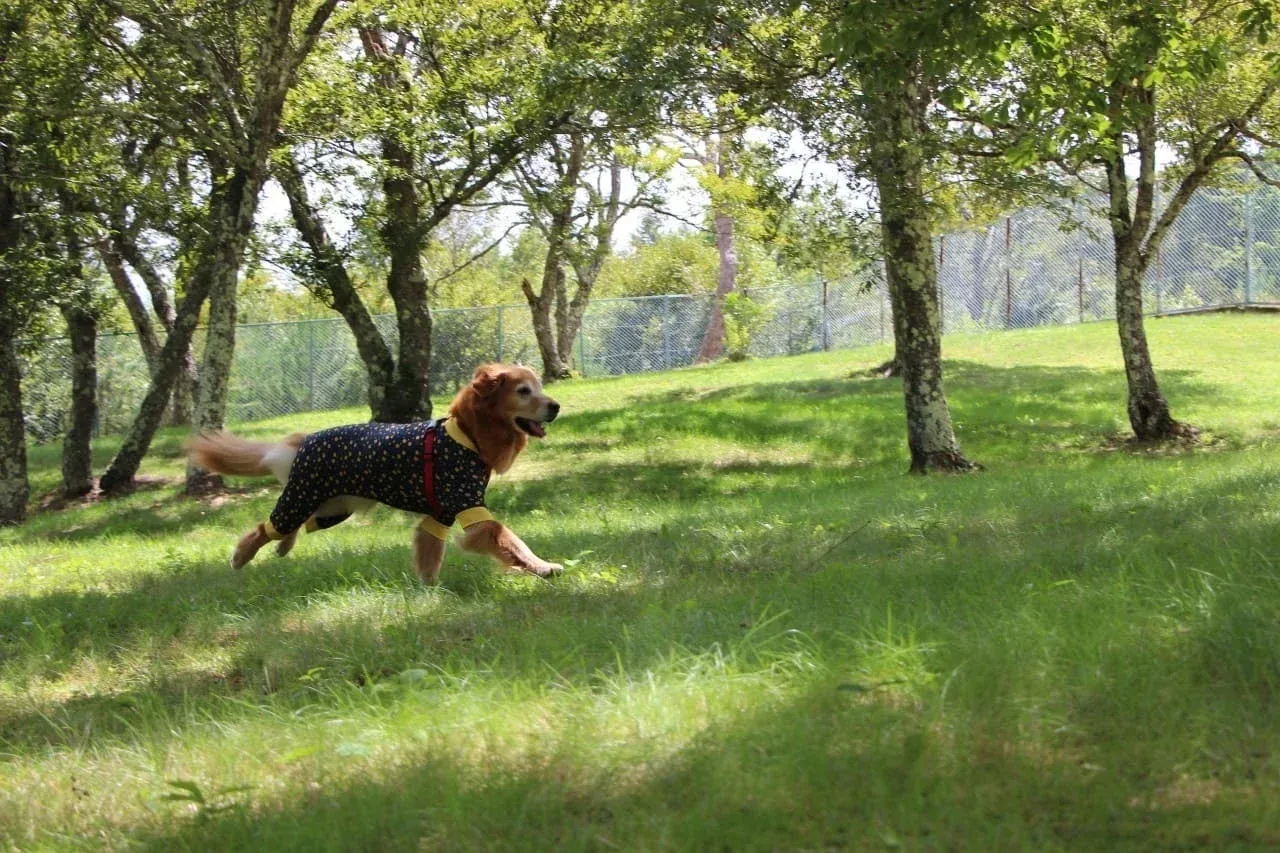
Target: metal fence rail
(1025, 270)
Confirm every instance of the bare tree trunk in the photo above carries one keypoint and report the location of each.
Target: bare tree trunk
(726, 247)
(138, 313)
(713, 341)
(120, 474)
(896, 116)
(77, 445)
(337, 285)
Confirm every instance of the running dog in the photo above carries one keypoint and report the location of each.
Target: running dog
(437, 469)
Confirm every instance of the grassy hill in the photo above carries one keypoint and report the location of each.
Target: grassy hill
(769, 636)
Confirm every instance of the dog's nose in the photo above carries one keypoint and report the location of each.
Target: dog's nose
(553, 409)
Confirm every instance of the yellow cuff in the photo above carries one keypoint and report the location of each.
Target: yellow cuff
(271, 531)
(435, 528)
(476, 514)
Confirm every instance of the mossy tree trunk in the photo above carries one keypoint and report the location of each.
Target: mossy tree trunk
(897, 120)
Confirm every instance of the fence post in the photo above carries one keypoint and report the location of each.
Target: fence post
(1248, 248)
(826, 318)
(499, 333)
(790, 329)
(1008, 272)
(311, 365)
(1080, 234)
(1080, 285)
(884, 295)
(1159, 282)
(582, 345)
(666, 332)
(942, 292)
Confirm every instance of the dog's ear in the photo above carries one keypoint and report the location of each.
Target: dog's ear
(488, 379)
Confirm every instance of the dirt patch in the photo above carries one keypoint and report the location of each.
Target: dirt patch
(55, 501)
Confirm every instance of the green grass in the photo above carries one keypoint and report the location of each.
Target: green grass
(769, 637)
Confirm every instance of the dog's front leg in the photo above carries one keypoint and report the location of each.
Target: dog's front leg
(499, 542)
(428, 554)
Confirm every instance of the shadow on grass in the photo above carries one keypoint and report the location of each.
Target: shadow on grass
(693, 583)
(737, 530)
(1016, 413)
(821, 768)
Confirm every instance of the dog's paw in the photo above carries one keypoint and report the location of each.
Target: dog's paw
(285, 545)
(548, 570)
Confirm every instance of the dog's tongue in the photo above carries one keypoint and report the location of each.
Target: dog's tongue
(532, 427)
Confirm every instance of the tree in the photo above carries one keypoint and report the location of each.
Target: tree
(893, 65)
(236, 126)
(79, 307)
(573, 193)
(727, 194)
(45, 91)
(152, 204)
(439, 105)
(1105, 84)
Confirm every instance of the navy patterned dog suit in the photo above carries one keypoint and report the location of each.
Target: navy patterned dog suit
(431, 468)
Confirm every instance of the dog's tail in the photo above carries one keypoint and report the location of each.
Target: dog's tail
(228, 454)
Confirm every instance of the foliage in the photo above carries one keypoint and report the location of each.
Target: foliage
(743, 318)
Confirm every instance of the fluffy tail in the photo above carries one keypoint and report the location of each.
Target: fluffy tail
(228, 454)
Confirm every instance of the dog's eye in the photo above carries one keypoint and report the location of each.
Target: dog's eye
(524, 389)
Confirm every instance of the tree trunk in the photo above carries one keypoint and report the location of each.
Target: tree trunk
(138, 313)
(1148, 410)
(896, 118)
(726, 247)
(120, 473)
(77, 445)
(544, 328)
(332, 275)
(225, 199)
(14, 488)
(186, 386)
(587, 265)
(550, 306)
(409, 395)
(1136, 236)
(240, 204)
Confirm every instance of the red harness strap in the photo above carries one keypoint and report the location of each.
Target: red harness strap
(428, 466)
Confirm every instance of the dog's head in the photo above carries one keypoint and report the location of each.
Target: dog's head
(501, 408)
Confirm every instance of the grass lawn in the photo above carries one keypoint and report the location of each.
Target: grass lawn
(769, 637)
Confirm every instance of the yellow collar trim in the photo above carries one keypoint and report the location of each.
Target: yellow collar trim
(454, 429)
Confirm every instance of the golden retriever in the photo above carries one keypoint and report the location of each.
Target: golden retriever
(437, 469)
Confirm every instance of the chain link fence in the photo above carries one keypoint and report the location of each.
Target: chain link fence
(1031, 268)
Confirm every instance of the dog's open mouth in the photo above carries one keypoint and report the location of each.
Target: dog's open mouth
(533, 428)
